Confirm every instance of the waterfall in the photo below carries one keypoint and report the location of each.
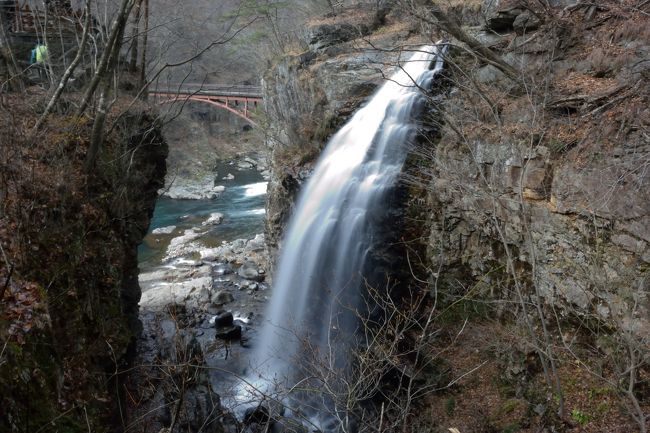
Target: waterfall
(319, 281)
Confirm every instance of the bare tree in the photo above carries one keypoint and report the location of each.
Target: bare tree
(6, 53)
(110, 55)
(69, 71)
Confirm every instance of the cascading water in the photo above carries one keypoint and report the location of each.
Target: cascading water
(320, 278)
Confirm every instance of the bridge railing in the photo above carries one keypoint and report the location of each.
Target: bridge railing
(210, 90)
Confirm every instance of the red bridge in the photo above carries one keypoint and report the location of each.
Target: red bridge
(239, 100)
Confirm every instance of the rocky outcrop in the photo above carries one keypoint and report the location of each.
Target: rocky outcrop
(581, 233)
(309, 95)
(565, 210)
(77, 256)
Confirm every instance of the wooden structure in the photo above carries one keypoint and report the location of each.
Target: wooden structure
(21, 19)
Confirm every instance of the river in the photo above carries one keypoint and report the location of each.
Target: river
(242, 206)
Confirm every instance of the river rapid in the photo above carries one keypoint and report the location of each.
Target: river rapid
(241, 204)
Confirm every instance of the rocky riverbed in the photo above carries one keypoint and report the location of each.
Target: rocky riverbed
(209, 184)
(204, 288)
(199, 317)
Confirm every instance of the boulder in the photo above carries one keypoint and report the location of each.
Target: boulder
(182, 245)
(214, 219)
(187, 189)
(222, 297)
(488, 74)
(232, 332)
(250, 271)
(223, 319)
(193, 293)
(255, 244)
(526, 22)
(163, 230)
(327, 35)
(222, 269)
(502, 20)
(245, 165)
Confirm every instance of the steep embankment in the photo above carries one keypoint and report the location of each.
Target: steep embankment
(529, 214)
(69, 267)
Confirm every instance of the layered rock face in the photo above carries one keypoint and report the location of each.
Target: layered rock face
(548, 187)
(580, 232)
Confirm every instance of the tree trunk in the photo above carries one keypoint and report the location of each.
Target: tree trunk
(135, 35)
(97, 135)
(68, 73)
(106, 62)
(143, 49)
(482, 51)
(15, 76)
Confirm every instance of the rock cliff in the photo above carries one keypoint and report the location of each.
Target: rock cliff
(309, 95)
(546, 183)
(69, 243)
(530, 204)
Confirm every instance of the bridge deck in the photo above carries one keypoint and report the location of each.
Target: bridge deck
(238, 99)
(241, 91)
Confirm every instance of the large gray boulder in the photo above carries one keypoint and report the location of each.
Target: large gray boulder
(222, 297)
(250, 271)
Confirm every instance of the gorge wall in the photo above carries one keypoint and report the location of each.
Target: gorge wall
(70, 303)
(527, 201)
(547, 179)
